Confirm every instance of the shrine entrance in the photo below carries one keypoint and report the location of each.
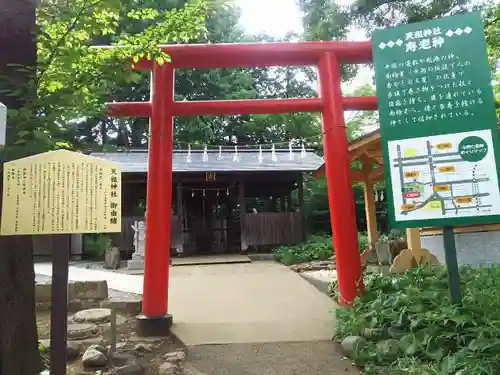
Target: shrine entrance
(328, 58)
(205, 220)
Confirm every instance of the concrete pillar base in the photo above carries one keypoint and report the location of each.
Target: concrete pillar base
(153, 326)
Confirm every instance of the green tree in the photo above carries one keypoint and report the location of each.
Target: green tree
(492, 31)
(370, 14)
(202, 84)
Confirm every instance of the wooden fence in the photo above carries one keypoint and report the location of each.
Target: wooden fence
(272, 228)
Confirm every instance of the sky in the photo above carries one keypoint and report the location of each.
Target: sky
(283, 16)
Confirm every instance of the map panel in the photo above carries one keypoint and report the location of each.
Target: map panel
(444, 176)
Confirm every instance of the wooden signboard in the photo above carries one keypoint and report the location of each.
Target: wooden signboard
(61, 192)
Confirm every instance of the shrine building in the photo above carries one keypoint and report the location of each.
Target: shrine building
(224, 201)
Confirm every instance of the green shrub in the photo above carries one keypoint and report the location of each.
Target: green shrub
(95, 246)
(317, 247)
(363, 241)
(435, 338)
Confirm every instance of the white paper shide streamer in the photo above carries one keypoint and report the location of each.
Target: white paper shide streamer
(219, 157)
(236, 156)
(188, 157)
(205, 154)
(290, 151)
(273, 154)
(303, 151)
(261, 155)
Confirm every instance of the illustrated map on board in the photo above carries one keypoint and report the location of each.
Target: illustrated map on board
(444, 176)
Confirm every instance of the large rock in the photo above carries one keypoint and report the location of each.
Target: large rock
(93, 316)
(350, 344)
(93, 358)
(112, 258)
(168, 369)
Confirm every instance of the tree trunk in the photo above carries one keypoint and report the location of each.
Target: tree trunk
(18, 334)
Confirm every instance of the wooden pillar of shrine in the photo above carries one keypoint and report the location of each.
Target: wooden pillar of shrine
(370, 209)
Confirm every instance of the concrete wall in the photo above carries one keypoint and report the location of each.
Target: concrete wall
(474, 249)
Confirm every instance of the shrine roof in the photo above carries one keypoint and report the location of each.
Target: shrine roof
(136, 161)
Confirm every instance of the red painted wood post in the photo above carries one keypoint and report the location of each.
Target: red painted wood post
(158, 203)
(339, 184)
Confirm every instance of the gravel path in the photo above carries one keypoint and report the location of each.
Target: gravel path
(304, 358)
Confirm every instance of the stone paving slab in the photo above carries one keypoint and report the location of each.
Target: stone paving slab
(254, 302)
(298, 358)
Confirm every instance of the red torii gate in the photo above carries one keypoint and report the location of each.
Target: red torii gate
(327, 56)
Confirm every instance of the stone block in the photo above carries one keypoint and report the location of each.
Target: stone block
(112, 258)
(85, 290)
(135, 264)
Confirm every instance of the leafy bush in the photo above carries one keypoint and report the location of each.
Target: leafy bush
(95, 246)
(362, 242)
(435, 338)
(317, 247)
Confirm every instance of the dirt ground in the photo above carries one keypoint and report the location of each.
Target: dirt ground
(150, 355)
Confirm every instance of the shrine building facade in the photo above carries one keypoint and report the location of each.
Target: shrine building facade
(227, 200)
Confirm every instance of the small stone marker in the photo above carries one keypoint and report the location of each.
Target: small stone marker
(112, 258)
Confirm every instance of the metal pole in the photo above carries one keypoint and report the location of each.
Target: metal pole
(450, 253)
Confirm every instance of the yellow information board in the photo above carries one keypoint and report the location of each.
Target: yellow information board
(61, 192)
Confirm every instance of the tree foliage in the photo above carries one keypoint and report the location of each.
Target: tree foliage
(74, 79)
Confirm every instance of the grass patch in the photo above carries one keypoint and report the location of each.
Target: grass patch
(432, 337)
(317, 247)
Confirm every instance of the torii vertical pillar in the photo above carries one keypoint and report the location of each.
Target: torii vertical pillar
(155, 320)
(338, 178)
